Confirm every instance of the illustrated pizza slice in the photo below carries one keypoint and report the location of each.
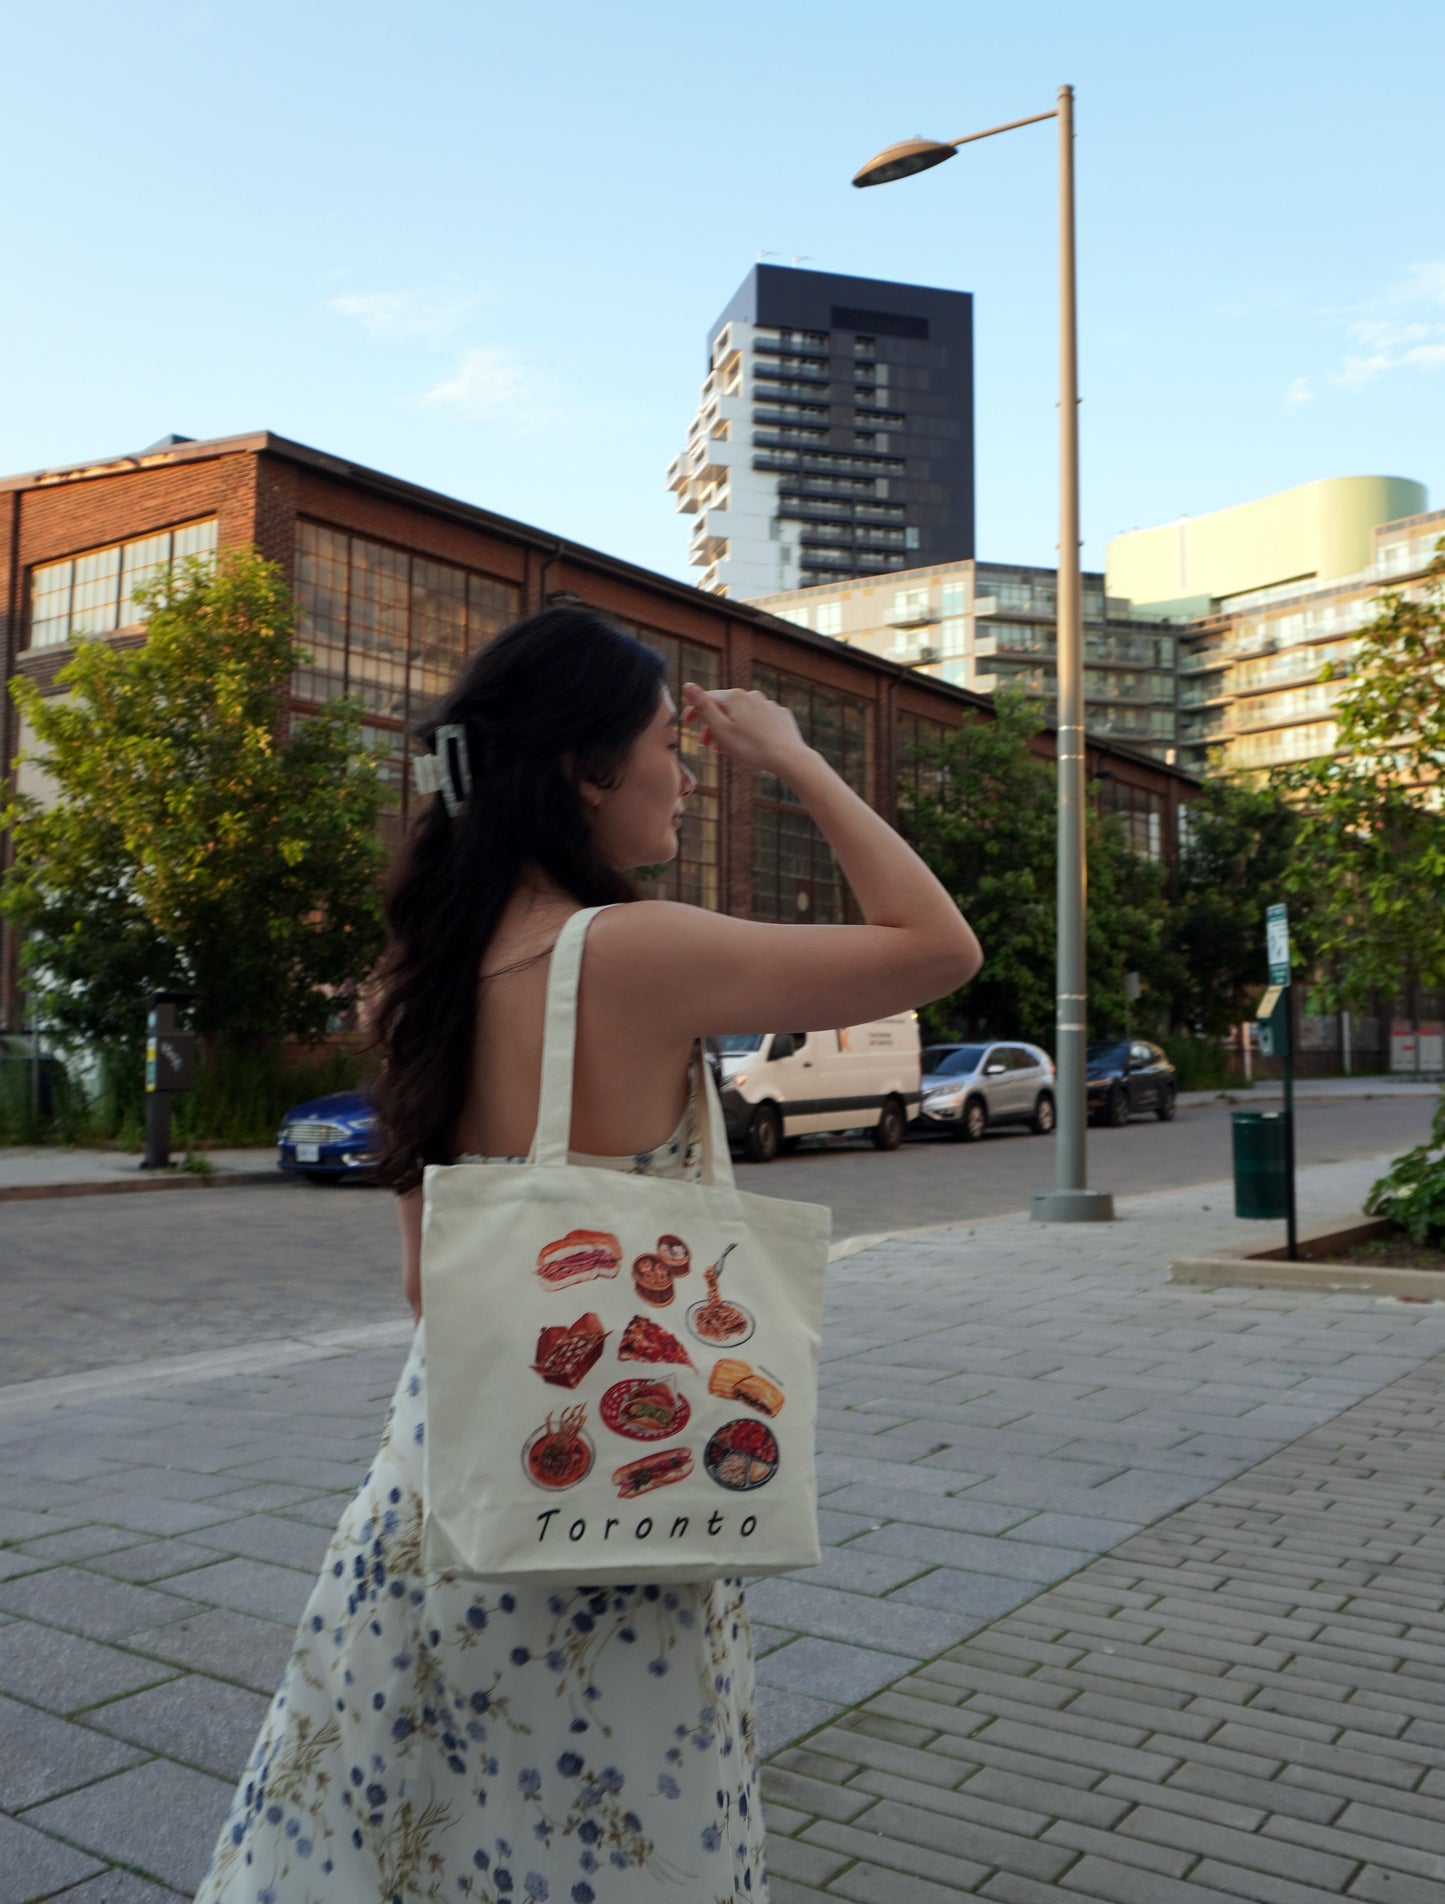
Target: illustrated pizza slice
(643, 1341)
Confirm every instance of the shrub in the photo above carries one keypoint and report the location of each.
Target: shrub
(1412, 1193)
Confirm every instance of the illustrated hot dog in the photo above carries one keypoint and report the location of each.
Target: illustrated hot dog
(652, 1471)
(578, 1257)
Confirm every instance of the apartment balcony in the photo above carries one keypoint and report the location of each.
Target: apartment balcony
(912, 615)
(1205, 661)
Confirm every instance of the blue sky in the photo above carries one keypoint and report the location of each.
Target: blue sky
(480, 247)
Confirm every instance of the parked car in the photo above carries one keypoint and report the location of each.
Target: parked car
(967, 1088)
(781, 1085)
(329, 1137)
(1126, 1076)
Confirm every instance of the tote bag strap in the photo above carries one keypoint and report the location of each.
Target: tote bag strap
(559, 1039)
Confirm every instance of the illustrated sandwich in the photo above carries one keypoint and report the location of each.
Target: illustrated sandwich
(652, 1471)
(565, 1355)
(736, 1380)
(578, 1257)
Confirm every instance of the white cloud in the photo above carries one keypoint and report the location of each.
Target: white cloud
(433, 313)
(1300, 392)
(487, 380)
(1387, 340)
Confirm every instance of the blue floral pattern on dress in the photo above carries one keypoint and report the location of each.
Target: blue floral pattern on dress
(441, 1739)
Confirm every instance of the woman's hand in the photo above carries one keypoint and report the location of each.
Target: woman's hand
(746, 726)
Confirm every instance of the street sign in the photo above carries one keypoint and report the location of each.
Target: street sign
(1276, 934)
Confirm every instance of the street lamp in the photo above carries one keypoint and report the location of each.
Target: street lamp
(1071, 1201)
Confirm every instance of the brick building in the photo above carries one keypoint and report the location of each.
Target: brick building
(397, 585)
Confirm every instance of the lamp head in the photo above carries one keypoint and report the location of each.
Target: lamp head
(902, 160)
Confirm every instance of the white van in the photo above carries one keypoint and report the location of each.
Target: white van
(778, 1085)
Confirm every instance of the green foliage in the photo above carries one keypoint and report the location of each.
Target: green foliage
(1371, 848)
(985, 820)
(1235, 859)
(240, 1097)
(1202, 1064)
(191, 843)
(1412, 1193)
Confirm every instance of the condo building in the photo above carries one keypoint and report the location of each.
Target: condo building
(984, 625)
(1269, 599)
(833, 435)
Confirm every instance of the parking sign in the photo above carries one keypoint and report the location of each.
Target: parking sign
(1276, 931)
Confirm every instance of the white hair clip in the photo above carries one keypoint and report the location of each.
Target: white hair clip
(448, 771)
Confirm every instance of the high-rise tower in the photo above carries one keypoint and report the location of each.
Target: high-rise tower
(834, 433)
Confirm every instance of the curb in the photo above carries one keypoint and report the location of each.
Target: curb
(124, 1187)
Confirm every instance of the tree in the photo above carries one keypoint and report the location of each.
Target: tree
(191, 842)
(984, 818)
(1370, 853)
(1235, 859)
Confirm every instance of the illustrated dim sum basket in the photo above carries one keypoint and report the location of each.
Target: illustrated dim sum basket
(621, 1370)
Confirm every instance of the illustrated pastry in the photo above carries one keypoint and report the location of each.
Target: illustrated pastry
(578, 1257)
(565, 1355)
(725, 1377)
(653, 1280)
(758, 1392)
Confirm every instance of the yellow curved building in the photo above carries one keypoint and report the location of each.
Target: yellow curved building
(1318, 533)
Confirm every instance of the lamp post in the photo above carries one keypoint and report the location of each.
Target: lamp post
(1071, 1201)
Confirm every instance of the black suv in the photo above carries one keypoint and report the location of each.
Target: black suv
(1126, 1076)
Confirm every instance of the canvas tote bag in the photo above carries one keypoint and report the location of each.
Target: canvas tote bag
(621, 1370)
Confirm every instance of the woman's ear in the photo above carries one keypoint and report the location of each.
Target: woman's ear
(591, 793)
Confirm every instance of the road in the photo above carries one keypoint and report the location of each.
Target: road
(92, 1282)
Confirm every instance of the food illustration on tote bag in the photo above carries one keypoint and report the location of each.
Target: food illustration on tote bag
(652, 1279)
(675, 1253)
(742, 1455)
(646, 1341)
(737, 1381)
(652, 1471)
(565, 1355)
(714, 1320)
(646, 1408)
(578, 1257)
(560, 1456)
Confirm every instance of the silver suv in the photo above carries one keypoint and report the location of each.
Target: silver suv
(966, 1088)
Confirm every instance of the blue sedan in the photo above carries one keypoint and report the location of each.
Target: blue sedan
(329, 1137)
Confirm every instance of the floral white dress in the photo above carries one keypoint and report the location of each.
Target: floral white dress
(441, 1739)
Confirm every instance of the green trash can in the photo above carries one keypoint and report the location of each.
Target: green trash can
(1261, 1169)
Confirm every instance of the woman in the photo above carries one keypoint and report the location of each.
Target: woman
(436, 1739)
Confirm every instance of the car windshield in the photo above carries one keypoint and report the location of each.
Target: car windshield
(733, 1043)
(951, 1061)
(1108, 1052)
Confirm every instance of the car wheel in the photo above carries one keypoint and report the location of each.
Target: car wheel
(765, 1135)
(974, 1122)
(1164, 1109)
(1044, 1113)
(1116, 1111)
(887, 1133)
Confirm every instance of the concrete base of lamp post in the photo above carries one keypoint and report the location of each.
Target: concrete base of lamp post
(1072, 1206)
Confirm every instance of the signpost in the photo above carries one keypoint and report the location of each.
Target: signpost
(1275, 1040)
(170, 1067)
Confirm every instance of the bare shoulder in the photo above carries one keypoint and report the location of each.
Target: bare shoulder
(693, 972)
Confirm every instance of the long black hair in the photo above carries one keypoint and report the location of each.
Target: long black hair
(555, 699)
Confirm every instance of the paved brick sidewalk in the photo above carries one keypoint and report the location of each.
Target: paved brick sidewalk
(1002, 1406)
(1247, 1701)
